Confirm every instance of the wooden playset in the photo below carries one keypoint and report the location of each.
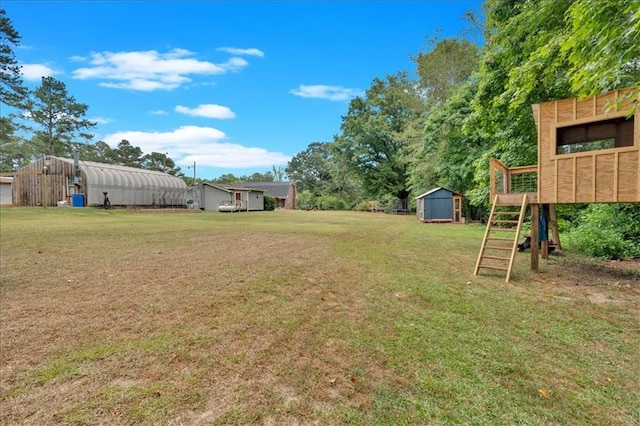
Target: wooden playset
(588, 152)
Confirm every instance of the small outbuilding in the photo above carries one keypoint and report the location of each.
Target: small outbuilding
(49, 180)
(440, 205)
(210, 195)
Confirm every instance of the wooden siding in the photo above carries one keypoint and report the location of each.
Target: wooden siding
(32, 187)
(603, 176)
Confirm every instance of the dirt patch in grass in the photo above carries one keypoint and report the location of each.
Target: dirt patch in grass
(572, 277)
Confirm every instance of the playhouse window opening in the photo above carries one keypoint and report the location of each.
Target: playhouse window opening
(606, 134)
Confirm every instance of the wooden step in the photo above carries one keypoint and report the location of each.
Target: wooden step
(499, 239)
(498, 268)
(498, 229)
(486, 256)
(497, 248)
(515, 222)
(497, 213)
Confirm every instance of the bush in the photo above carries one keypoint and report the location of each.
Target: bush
(609, 231)
(269, 203)
(598, 242)
(330, 202)
(363, 206)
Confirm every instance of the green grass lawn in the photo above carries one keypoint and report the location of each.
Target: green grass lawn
(296, 317)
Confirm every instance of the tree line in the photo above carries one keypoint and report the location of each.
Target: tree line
(472, 102)
(467, 103)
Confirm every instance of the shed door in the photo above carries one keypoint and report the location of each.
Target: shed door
(239, 199)
(438, 208)
(457, 209)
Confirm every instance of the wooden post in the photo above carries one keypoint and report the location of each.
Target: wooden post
(553, 221)
(545, 242)
(535, 229)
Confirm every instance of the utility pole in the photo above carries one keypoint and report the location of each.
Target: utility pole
(194, 172)
(193, 186)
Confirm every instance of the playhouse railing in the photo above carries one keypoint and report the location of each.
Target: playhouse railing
(512, 180)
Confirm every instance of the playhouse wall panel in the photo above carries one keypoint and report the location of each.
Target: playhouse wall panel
(628, 181)
(547, 185)
(565, 110)
(584, 175)
(606, 102)
(605, 177)
(584, 109)
(565, 180)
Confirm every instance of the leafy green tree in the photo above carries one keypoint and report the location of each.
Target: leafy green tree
(156, 161)
(509, 81)
(374, 140)
(449, 150)
(160, 162)
(103, 153)
(278, 173)
(311, 168)
(12, 90)
(449, 64)
(345, 185)
(13, 94)
(126, 154)
(602, 43)
(12, 151)
(59, 117)
(226, 179)
(319, 173)
(259, 177)
(86, 151)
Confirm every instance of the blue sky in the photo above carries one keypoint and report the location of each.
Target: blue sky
(236, 87)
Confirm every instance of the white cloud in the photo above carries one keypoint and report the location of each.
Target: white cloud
(237, 51)
(150, 70)
(34, 72)
(207, 110)
(100, 120)
(159, 112)
(76, 58)
(204, 145)
(332, 93)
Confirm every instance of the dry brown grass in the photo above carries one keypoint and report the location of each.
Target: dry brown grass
(228, 323)
(121, 318)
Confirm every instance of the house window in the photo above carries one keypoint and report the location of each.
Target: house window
(606, 134)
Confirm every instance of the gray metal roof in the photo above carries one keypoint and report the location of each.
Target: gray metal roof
(275, 189)
(101, 174)
(436, 190)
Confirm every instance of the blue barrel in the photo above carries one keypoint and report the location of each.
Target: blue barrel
(77, 200)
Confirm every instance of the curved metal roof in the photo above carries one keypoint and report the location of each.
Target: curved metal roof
(100, 174)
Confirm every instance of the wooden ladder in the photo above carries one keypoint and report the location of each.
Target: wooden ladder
(501, 237)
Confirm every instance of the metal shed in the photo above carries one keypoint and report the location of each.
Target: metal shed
(52, 179)
(440, 205)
